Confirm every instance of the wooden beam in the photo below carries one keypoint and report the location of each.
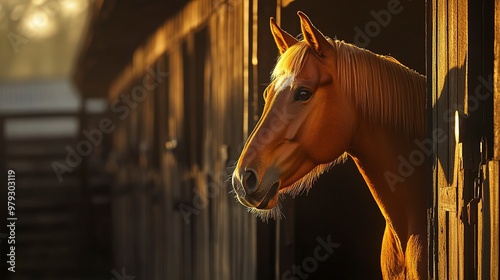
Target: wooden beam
(496, 86)
(494, 166)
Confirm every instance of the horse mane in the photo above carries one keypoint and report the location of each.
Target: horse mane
(385, 91)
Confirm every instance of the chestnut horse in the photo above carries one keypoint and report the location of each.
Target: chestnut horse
(329, 99)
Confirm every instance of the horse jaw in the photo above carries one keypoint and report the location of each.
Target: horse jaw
(305, 183)
(300, 186)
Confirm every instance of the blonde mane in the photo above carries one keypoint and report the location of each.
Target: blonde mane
(384, 91)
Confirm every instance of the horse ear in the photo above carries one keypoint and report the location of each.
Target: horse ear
(283, 39)
(312, 35)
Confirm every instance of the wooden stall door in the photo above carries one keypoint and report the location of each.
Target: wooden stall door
(175, 259)
(447, 82)
(460, 69)
(208, 234)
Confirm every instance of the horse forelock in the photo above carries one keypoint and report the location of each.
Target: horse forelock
(291, 62)
(283, 82)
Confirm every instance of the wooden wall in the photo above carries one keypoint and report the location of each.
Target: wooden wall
(173, 216)
(463, 216)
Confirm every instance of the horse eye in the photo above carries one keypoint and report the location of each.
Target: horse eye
(302, 94)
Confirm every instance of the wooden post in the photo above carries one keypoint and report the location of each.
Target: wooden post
(494, 165)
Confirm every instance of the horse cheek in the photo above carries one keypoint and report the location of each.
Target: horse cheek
(333, 138)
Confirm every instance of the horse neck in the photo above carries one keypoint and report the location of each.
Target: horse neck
(401, 196)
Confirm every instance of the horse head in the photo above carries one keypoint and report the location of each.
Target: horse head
(306, 124)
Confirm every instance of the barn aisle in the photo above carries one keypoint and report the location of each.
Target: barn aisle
(61, 190)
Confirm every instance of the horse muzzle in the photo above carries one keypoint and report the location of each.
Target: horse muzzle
(254, 192)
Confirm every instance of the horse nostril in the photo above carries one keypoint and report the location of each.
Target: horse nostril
(249, 181)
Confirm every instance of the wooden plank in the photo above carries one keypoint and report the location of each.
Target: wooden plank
(157, 240)
(456, 93)
(447, 196)
(461, 41)
(494, 219)
(494, 165)
(175, 221)
(161, 223)
(441, 105)
(219, 94)
(454, 255)
(434, 219)
(223, 229)
(496, 86)
(482, 242)
(231, 249)
(442, 259)
(213, 100)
